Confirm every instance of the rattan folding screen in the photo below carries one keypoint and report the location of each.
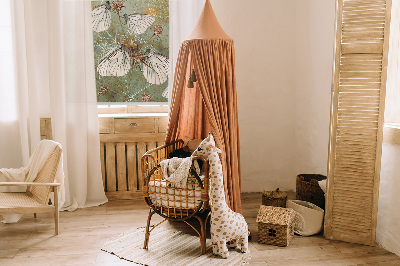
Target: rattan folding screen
(358, 96)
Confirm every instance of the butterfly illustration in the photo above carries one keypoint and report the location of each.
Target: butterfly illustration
(155, 68)
(116, 64)
(139, 23)
(101, 17)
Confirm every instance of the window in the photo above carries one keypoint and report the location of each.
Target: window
(131, 51)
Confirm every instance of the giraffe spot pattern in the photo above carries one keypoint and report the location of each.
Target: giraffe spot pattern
(226, 225)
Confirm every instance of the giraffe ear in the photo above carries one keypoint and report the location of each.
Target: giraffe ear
(216, 149)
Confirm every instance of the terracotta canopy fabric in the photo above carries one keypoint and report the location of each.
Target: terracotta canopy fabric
(211, 106)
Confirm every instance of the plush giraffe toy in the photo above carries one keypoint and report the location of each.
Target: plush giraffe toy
(226, 225)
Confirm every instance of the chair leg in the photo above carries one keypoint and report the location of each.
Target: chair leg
(34, 215)
(147, 235)
(56, 212)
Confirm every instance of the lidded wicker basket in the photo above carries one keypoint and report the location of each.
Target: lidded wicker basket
(274, 198)
(275, 225)
(308, 189)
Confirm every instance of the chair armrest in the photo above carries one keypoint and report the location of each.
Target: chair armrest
(29, 184)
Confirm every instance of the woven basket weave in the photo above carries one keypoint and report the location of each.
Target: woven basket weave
(308, 189)
(274, 198)
(275, 225)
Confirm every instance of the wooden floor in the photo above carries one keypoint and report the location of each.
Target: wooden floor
(82, 233)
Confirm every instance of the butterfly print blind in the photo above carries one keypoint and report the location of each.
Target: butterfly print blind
(130, 39)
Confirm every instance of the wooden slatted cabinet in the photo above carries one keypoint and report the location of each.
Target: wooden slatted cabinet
(123, 141)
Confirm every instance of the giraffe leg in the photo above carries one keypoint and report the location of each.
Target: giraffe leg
(222, 249)
(243, 243)
(232, 244)
(215, 248)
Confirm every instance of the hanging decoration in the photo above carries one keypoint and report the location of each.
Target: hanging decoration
(130, 39)
(192, 79)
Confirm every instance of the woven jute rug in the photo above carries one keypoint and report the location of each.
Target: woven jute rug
(168, 247)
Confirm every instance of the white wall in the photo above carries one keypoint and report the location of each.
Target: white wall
(264, 35)
(314, 60)
(388, 227)
(284, 52)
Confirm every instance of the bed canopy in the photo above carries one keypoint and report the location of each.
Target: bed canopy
(204, 97)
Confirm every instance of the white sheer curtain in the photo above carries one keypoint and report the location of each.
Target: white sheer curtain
(183, 15)
(55, 78)
(10, 155)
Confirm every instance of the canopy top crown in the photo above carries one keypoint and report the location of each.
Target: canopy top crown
(207, 26)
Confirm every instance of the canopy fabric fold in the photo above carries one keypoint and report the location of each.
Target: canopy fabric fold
(211, 106)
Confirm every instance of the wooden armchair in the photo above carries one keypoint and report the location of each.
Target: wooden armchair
(36, 197)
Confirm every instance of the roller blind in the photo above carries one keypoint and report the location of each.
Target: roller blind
(358, 97)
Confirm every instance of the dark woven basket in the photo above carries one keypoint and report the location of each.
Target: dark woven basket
(274, 198)
(308, 189)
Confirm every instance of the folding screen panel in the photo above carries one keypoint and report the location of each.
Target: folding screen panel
(358, 96)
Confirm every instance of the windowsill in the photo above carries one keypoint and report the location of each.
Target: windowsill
(132, 110)
(133, 115)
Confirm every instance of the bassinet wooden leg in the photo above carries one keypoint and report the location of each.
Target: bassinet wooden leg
(147, 235)
(203, 236)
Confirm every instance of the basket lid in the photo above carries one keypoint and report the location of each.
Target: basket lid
(311, 177)
(275, 215)
(275, 194)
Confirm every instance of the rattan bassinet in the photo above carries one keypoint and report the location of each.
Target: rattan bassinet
(170, 202)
